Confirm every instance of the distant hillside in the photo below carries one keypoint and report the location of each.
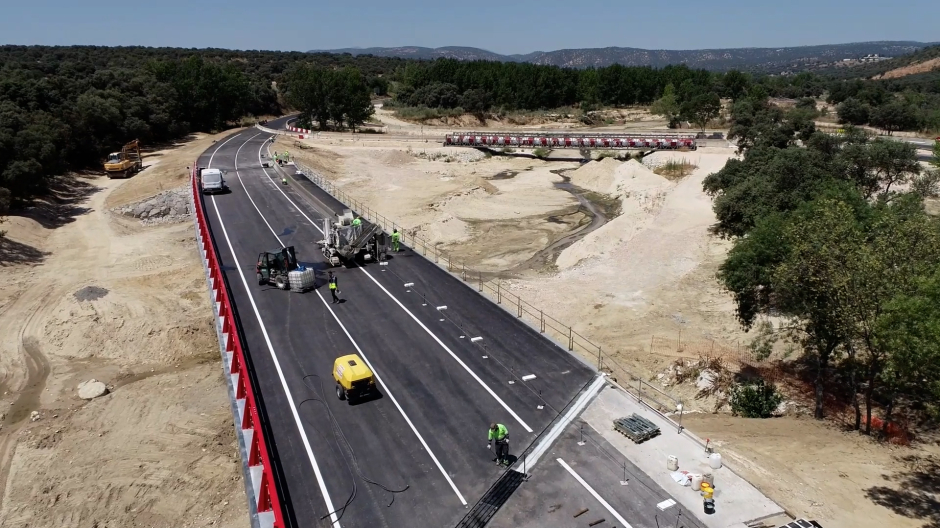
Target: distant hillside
(849, 70)
(763, 60)
(419, 53)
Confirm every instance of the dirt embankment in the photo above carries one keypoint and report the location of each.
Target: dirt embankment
(100, 296)
(911, 69)
(495, 213)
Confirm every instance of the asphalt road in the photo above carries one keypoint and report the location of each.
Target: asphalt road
(415, 456)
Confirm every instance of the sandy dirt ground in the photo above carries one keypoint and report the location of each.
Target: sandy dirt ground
(601, 120)
(818, 472)
(98, 296)
(648, 272)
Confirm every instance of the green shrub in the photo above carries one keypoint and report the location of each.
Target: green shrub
(541, 152)
(754, 399)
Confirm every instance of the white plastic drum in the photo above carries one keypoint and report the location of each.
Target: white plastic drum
(696, 481)
(672, 463)
(714, 460)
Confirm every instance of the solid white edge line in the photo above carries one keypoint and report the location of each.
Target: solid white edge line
(596, 496)
(532, 458)
(356, 345)
(280, 373)
(441, 343)
(395, 401)
(449, 351)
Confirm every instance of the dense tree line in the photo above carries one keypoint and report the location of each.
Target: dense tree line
(480, 85)
(830, 232)
(65, 108)
(677, 92)
(328, 97)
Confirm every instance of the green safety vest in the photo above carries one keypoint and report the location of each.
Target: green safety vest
(333, 283)
(499, 434)
(396, 236)
(357, 222)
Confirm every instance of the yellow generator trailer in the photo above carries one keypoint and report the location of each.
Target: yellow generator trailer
(354, 380)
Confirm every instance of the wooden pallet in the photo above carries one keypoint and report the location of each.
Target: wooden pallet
(636, 428)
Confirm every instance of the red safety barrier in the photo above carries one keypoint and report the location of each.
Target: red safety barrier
(252, 433)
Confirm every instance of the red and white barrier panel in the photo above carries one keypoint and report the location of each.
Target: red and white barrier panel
(263, 490)
(299, 130)
(562, 141)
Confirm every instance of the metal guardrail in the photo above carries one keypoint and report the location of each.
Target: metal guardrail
(262, 482)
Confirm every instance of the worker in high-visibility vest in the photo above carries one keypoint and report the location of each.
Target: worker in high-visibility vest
(396, 239)
(499, 435)
(357, 222)
(333, 287)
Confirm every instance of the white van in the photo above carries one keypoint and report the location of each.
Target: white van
(212, 181)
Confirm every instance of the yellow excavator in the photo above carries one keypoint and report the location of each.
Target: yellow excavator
(123, 164)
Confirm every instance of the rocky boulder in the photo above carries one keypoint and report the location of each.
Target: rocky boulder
(91, 389)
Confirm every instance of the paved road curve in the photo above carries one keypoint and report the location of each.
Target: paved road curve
(417, 455)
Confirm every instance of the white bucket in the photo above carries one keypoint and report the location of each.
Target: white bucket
(714, 460)
(672, 463)
(696, 481)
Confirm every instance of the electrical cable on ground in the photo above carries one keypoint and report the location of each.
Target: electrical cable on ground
(338, 433)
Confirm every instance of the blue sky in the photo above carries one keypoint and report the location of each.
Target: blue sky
(513, 26)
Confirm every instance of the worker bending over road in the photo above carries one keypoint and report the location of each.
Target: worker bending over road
(396, 238)
(357, 225)
(333, 287)
(500, 435)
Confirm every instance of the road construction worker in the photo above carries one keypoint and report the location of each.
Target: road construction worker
(333, 286)
(500, 435)
(396, 239)
(283, 180)
(357, 225)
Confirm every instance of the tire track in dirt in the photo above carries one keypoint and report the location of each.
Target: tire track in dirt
(37, 372)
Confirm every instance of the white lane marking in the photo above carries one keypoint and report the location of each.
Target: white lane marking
(441, 343)
(238, 175)
(562, 424)
(395, 401)
(280, 372)
(278, 187)
(449, 351)
(220, 145)
(600, 499)
(356, 345)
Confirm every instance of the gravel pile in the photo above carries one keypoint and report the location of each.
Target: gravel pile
(167, 207)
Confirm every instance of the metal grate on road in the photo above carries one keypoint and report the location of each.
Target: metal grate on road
(492, 500)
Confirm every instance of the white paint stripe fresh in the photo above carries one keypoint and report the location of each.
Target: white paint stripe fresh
(441, 343)
(623, 522)
(559, 427)
(277, 366)
(451, 352)
(356, 345)
(395, 401)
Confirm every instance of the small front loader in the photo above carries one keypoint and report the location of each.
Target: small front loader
(273, 267)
